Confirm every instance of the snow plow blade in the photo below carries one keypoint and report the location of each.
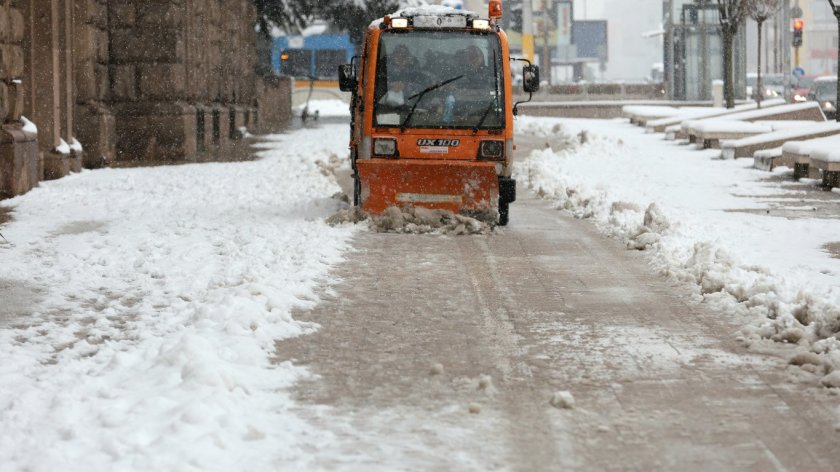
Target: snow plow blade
(470, 188)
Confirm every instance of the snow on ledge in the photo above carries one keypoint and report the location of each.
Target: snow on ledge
(76, 146)
(28, 126)
(63, 147)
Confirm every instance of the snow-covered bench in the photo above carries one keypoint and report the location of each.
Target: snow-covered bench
(808, 111)
(827, 159)
(767, 159)
(709, 133)
(747, 147)
(660, 125)
(798, 154)
(635, 112)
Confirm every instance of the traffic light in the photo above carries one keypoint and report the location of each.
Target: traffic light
(798, 26)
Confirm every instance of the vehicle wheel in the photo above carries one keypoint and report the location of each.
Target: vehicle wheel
(357, 191)
(504, 211)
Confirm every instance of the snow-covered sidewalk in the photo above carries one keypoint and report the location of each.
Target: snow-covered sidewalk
(703, 221)
(164, 291)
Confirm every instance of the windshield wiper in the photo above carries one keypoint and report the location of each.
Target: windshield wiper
(484, 116)
(492, 102)
(423, 92)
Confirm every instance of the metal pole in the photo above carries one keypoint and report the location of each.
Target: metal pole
(527, 30)
(776, 68)
(785, 40)
(546, 55)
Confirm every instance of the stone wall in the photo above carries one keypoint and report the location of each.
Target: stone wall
(274, 104)
(95, 123)
(19, 163)
(183, 76)
(127, 80)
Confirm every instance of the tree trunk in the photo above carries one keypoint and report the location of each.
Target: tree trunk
(759, 90)
(728, 73)
(837, 101)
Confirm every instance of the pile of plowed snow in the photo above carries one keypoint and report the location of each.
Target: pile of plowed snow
(693, 226)
(415, 220)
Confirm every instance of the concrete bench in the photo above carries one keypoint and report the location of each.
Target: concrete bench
(827, 160)
(747, 147)
(661, 125)
(797, 154)
(808, 111)
(768, 159)
(709, 133)
(642, 113)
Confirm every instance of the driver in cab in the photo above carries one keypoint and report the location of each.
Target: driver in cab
(403, 77)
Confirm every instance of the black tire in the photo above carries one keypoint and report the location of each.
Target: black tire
(357, 191)
(504, 213)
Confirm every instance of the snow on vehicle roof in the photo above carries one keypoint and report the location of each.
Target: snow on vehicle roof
(431, 10)
(826, 78)
(425, 10)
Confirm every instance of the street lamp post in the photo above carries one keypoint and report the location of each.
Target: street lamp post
(835, 8)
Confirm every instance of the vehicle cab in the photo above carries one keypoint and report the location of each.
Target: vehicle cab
(432, 112)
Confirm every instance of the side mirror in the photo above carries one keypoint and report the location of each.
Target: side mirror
(347, 78)
(531, 78)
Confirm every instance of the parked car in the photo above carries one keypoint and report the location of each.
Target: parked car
(773, 85)
(802, 88)
(824, 91)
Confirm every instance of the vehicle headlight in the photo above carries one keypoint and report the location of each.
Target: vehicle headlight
(828, 106)
(799, 98)
(384, 147)
(493, 150)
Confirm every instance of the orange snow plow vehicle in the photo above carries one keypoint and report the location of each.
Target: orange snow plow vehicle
(432, 113)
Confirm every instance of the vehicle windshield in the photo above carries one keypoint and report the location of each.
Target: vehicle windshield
(826, 88)
(439, 79)
(773, 80)
(805, 83)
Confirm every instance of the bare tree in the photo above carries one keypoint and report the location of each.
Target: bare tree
(761, 11)
(836, 9)
(732, 14)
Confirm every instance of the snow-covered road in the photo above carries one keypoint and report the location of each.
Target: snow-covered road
(748, 242)
(156, 296)
(165, 319)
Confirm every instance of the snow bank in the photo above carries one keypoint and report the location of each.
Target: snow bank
(771, 273)
(326, 108)
(166, 290)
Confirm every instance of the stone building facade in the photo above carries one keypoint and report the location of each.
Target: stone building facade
(111, 81)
